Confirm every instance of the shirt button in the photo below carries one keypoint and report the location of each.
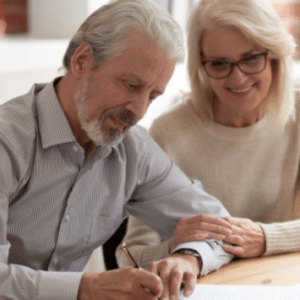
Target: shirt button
(75, 148)
(55, 260)
(67, 218)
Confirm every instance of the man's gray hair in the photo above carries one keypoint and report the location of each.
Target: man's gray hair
(107, 27)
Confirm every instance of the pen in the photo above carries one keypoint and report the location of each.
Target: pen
(132, 261)
(129, 256)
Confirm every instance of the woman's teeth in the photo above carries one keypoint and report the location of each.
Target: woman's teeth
(242, 91)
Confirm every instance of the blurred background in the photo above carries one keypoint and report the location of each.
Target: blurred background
(34, 35)
(38, 31)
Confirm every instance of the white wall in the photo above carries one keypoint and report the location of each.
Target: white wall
(55, 18)
(26, 61)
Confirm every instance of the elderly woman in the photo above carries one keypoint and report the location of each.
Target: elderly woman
(237, 131)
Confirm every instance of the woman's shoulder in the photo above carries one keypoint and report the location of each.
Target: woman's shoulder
(178, 116)
(297, 91)
(297, 96)
(172, 124)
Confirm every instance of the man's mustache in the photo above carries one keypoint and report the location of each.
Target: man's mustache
(128, 117)
(124, 115)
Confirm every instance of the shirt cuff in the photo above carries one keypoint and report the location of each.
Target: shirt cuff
(59, 285)
(211, 252)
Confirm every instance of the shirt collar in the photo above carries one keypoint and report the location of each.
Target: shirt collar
(53, 124)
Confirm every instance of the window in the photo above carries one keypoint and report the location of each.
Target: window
(166, 4)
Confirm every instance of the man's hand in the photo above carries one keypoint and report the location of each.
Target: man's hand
(247, 238)
(174, 271)
(120, 284)
(198, 228)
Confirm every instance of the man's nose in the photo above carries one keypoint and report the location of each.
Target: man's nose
(138, 106)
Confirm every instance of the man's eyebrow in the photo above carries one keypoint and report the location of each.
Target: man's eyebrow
(139, 80)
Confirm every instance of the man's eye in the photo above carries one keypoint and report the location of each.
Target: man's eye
(132, 86)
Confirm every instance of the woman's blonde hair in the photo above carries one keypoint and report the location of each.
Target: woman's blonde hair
(258, 21)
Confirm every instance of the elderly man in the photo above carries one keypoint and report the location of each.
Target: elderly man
(74, 166)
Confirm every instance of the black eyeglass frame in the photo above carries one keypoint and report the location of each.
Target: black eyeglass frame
(236, 63)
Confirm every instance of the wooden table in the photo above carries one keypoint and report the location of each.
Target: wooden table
(283, 269)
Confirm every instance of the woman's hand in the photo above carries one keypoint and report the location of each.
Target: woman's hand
(247, 238)
(198, 228)
(242, 237)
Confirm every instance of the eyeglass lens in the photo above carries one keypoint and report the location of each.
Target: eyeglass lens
(249, 65)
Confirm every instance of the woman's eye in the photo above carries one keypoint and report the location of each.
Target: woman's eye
(252, 58)
(219, 64)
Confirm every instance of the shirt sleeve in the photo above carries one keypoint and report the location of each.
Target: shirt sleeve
(168, 194)
(211, 252)
(19, 282)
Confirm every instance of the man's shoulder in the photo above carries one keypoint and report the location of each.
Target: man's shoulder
(137, 137)
(18, 119)
(21, 105)
(135, 145)
(18, 110)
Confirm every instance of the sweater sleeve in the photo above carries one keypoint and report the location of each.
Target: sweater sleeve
(145, 244)
(282, 237)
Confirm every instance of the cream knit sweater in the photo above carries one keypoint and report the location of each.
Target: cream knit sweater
(252, 170)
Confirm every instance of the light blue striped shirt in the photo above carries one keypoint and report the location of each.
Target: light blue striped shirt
(56, 206)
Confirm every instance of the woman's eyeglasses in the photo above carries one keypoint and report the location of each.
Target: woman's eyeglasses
(252, 64)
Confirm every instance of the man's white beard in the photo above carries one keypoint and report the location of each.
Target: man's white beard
(93, 127)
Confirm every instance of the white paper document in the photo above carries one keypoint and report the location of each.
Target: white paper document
(243, 292)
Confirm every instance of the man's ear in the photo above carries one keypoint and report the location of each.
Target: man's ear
(82, 59)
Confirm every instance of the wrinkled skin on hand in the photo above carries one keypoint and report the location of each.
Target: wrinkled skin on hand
(120, 284)
(242, 237)
(174, 271)
(163, 280)
(247, 238)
